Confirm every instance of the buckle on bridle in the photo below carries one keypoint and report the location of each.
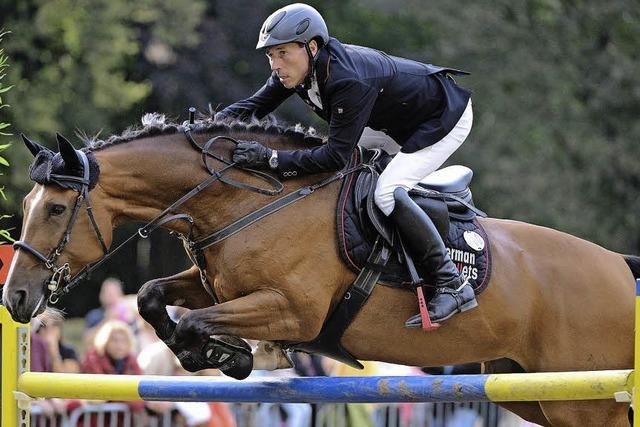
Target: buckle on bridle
(60, 274)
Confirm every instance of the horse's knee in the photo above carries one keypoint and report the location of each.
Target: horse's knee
(150, 300)
(152, 306)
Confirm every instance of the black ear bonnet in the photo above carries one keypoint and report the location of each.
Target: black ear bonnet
(50, 167)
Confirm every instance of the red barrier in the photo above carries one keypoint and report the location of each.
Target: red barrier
(6, 255)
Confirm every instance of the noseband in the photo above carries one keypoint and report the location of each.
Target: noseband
(62, 273)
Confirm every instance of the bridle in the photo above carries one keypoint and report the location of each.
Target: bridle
(61, 282)
(62, 273)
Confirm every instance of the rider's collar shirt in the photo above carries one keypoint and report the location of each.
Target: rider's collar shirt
(314, 92)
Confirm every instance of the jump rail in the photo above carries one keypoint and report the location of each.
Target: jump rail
(441, 388)
(19, 385)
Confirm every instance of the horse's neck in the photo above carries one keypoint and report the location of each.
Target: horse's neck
(140, 181)
(141, 178)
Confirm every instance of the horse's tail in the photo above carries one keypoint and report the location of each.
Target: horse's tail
(634, 264)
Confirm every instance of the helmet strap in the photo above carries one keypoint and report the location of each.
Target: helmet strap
(312, 67)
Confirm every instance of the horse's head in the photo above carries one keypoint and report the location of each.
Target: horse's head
(59, 237)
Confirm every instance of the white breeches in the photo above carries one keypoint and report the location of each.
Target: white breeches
(408, 169)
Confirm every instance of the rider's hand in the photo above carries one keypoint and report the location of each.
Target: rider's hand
(251, 154)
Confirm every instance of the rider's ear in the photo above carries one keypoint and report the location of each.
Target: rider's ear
(34, 147)
(68, 153)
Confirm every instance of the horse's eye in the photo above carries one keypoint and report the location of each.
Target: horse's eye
(56, 210)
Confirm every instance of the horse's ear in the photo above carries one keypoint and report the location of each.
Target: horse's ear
(34, 147)
(68, 153)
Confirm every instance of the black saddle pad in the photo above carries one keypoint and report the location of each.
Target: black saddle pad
(463, 235)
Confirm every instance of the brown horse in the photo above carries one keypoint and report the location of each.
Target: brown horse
(555, 302)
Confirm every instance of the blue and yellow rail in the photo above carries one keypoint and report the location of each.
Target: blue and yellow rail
(441, 388)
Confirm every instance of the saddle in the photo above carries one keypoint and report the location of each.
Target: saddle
(445, 196)
(370, 247)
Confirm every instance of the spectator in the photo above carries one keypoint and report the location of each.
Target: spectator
(112, 353)
(39, 353)
(40, 361)
(63, 357)
(111, 296)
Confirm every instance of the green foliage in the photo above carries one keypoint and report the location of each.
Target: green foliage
(4, 64)
(77, 65)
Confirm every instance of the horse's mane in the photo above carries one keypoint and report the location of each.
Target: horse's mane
(154, 124)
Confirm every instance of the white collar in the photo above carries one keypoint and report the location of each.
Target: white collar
(314, 92)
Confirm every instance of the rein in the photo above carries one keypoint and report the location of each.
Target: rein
(62, 274)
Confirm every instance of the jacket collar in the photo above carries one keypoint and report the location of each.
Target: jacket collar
(321, 62)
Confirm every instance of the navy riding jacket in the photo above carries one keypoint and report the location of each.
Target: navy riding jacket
(415, 104)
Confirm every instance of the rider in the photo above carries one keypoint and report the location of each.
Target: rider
(418, 105)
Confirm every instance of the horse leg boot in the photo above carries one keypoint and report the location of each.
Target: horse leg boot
(453, 292)
(232, 355)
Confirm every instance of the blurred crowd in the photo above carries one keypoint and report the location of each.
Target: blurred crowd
(116, 340)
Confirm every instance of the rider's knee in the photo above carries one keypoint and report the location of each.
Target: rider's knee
(384, 200)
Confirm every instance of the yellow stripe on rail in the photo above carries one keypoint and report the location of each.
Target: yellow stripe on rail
(82, 386)
(583, 385)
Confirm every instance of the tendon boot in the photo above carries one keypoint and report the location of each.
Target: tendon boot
(453, 293)
(230, 354)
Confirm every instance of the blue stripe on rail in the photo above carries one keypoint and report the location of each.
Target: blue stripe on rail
(445, 388)
(637, 287)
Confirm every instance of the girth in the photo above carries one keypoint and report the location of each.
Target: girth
(327, 343)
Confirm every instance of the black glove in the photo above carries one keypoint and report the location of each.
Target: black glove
(251, 154)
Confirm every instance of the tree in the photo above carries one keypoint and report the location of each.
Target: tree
(74, 63)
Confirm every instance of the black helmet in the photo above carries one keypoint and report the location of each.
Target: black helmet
(296, 22)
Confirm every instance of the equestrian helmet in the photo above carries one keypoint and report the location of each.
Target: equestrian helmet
(296, 22)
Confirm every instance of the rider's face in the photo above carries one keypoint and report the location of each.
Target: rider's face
(290, 62)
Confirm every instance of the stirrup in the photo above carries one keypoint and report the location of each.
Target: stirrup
(424, 320)
(421, 320)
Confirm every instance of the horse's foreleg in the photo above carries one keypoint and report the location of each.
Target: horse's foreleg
(183, 289)
(207, 336)
(265, 314)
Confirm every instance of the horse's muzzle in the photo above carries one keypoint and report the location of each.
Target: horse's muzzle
(23, 306)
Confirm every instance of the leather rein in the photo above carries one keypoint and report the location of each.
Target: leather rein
(61, 282)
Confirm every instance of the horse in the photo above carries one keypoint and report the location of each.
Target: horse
(555, 302)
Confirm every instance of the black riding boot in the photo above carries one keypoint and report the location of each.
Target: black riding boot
(453, 292)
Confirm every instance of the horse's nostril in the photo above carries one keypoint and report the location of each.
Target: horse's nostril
(17, 298)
